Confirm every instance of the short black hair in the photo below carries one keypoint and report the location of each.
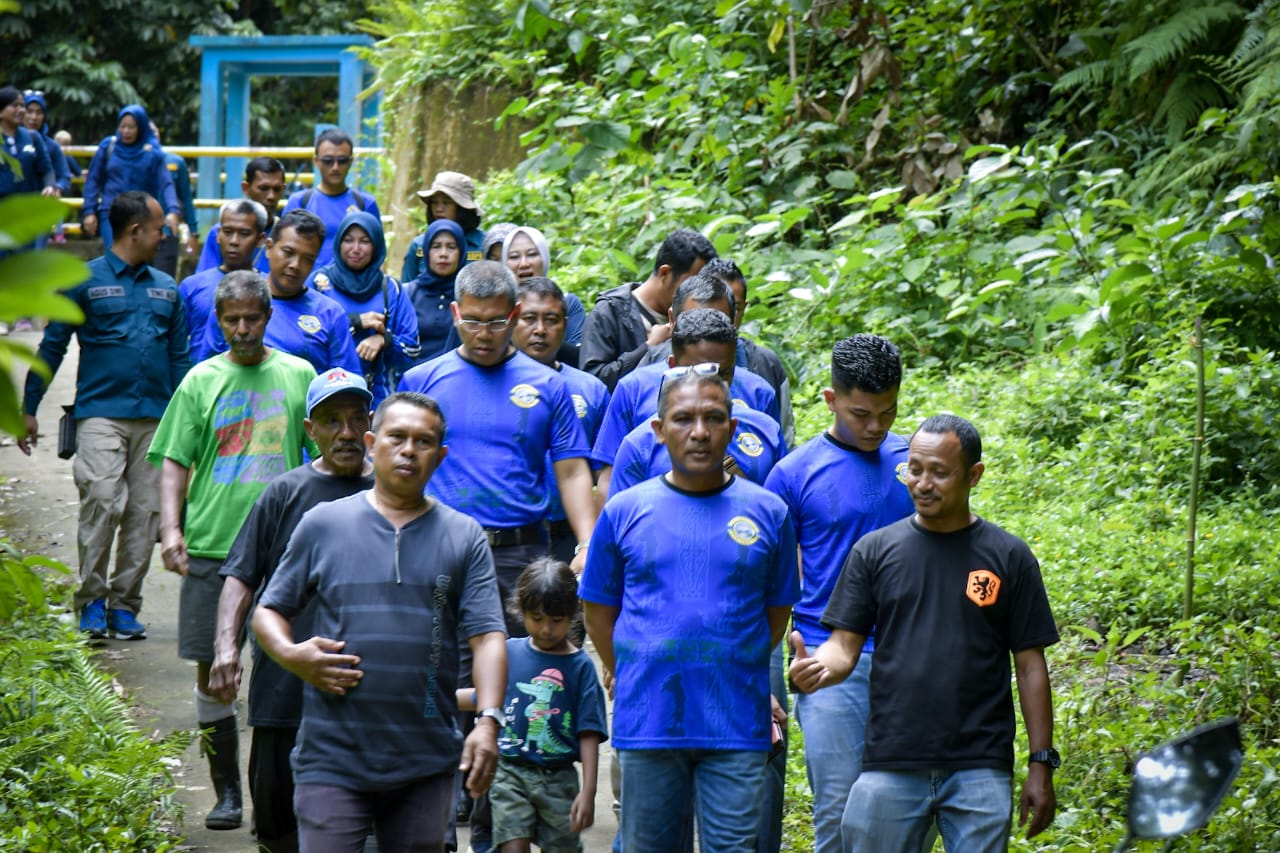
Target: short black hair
(701, 324)
(682, 249)
(727, 271)
(126, 209)
(242, 284)
(412, 398)
(335, 135)
(262, 165)
(866, 363)
(691, 378)
(546, 585)
(540, 285)
(303, 222)
(701, 288)
(970, 441)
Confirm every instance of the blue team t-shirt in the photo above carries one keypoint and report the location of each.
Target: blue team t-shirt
(693, 576)
(211, 254)
(837, 494)
(401, 351)
(501, 423)
(331, 209)
(550, 700)
(310, 325)
(590, 399)
(635, 399)
(756, 446)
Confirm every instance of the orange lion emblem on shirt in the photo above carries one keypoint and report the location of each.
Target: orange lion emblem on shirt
(983, 588)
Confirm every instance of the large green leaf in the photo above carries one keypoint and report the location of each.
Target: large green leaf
(610, 135)
(25, 217)
(30, 281)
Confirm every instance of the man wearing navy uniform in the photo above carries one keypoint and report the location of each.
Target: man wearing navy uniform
(133, 354)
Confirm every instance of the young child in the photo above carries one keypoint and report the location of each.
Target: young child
(555, 716)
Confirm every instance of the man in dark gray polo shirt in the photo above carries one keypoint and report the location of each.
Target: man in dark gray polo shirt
(394, 580)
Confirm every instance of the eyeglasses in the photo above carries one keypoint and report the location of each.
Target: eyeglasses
(333, 161)
(707, 368)
(491, 325)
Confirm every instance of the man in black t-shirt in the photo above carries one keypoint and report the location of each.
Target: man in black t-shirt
(950, 596)
(337, 419)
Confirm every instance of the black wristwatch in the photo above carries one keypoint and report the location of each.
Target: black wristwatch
(1046, 756)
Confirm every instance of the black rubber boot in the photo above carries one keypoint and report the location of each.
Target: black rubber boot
(222, 745)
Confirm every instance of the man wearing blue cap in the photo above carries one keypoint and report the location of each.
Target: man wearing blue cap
(337, 419)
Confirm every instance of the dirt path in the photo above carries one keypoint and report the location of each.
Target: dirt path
(38, 508)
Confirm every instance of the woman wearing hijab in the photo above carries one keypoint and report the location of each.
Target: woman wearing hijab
(36, 121)
(452, 195)
(382, 319)
(129, 160)
(526, 253)
(444, 247)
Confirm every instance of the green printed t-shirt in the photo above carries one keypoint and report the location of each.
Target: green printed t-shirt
(237, 428)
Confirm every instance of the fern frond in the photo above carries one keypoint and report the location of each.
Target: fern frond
(1089, 77)
(1187, 97)
(1174, 38)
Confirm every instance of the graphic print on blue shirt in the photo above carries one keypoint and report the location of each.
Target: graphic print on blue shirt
(693, 576)
(635, 400)
(837, 494)
(309, 325)
(251, 430)
(550, 699)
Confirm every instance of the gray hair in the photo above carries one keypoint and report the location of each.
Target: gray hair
(240, 285)
(485, 280)
(241, 206)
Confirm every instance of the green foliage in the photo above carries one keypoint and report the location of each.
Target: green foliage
(93, 58)
(75, 773)
(29, 285)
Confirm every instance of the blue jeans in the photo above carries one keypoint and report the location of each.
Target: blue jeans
(893, 811)
(775, 780)
(834, 722)
(658, 785)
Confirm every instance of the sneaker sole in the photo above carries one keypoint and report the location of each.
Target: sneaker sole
(120, 635)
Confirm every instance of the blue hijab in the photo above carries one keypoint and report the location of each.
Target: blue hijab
(146, 140)
(363, 284)
(429, 282)
(30, 98)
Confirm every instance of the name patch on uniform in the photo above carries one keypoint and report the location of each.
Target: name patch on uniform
(162, 293)
(579, 406)
(983, 587)
(743, 530)
(750, 444)
(309, 323)
(525, 396)
(106, 291)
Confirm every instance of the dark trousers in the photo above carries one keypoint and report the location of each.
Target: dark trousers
(167, 255)
(271, 782)
(412, 819)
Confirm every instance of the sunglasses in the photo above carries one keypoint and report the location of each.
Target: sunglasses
(707, 368)
(333, 161)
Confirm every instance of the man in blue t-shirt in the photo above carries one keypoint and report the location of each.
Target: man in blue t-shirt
(689, 584)
(240, 232)
(333, 199)
(839, 486)
(264, 183)
(539, 334)
(702, 337)
(303, 322)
